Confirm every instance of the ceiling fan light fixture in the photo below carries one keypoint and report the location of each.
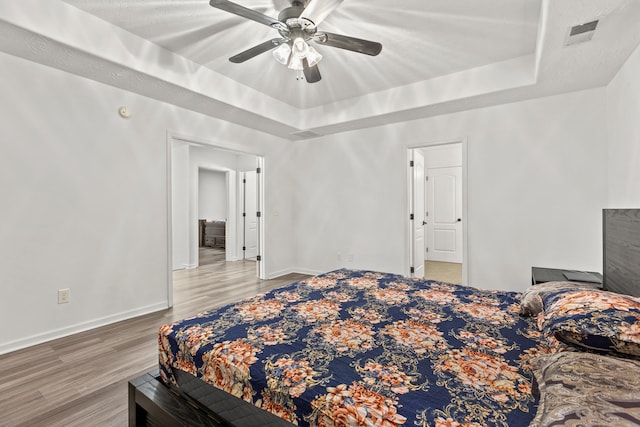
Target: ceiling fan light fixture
(300, 50)
(313, 57)
(299, 47)
(282, 53)
(296, 63)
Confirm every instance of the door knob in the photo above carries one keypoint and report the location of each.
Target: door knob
(459, 219)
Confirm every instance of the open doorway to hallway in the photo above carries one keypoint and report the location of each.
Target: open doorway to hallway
(214, 207)
(213, 211)
(207, 205)
(437, 206)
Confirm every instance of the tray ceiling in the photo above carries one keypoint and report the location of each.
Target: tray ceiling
(421, 40)
(438, 56)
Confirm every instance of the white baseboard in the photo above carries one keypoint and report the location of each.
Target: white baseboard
(78, 327)
(308, 271)
(276, 274)
(286, 271)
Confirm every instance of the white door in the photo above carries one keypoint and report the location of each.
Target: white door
(418, 209)
(250, 210)
(444, 214)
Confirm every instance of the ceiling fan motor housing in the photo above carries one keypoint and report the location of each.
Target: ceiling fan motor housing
(290, 12)
(296, 26)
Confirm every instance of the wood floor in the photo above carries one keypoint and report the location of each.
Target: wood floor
(81, 380)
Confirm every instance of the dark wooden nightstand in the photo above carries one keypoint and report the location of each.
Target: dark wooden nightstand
(542, 275)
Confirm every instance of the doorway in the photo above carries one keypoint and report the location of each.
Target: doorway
(437, 232)
(187, 158)
(213, 195)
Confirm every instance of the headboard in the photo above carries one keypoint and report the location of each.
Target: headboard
(621, 250)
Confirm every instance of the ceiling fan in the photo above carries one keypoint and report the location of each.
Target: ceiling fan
(297, 26)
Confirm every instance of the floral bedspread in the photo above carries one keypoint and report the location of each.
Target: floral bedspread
(356, 348)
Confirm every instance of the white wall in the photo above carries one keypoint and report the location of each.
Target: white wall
(212, 195)
(246, 163)
(100, 184)
(623, 132)
(350, 203)
(536, 187)
(180, 204)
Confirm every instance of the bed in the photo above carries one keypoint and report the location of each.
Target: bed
(365, 348)
(356, 348)
(370, 348)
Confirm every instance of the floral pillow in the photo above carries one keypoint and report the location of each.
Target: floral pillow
(531, 302)
(593, 319)
(586, 389)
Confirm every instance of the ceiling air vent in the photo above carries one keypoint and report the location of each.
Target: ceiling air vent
(304, 134)
(581, 33)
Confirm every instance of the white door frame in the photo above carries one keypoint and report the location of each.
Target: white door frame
(417, 212)
(465, 222)
(243, 213)
(174, 137)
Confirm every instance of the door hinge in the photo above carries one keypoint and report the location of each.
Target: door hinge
(410, 163)
(258, 258)
(427, 249)
(244, 248)
(258, 214)
(412, 270)
(244, 181)
(426, 213)
(244, 214)
(411, 217)
(426, 178)
(259, 170)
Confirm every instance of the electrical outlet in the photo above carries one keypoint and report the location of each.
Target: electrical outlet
(63, 296)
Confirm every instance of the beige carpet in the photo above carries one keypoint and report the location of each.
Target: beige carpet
(443, 271)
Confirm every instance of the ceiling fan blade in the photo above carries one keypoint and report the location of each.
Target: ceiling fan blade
(311, 74)
(256, 50)
(317, 10)
(236, 9)
(349, 43)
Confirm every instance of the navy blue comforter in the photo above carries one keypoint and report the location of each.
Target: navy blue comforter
(360, 348)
